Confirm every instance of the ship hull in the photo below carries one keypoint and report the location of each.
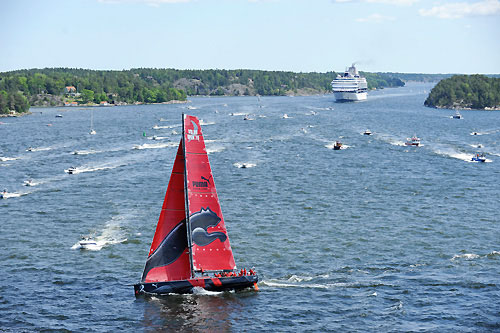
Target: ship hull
(186, 286)
(350, 96)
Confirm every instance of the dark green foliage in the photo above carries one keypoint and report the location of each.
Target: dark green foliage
(382, 80)
(148, 85)
(465, 91)
(13, 101)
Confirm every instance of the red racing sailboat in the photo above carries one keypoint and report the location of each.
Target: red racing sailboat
(191, 247)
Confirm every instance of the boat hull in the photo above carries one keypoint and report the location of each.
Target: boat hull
(350, 96)
(187, 286)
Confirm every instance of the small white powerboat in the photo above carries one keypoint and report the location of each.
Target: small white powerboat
(71, 170)
(367, 132)
(87, 242)
(413, 141)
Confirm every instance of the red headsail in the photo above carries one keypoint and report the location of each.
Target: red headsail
(210, 244)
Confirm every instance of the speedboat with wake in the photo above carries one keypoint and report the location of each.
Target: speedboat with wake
(337, 145)
(479, 157)
(367, 132)
(3, 195)
(28, 182)
(190, 247)
(413, 141)
(87, 243)
(457, 115)
(71, 170)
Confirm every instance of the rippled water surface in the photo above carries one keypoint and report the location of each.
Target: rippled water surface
(374, 237)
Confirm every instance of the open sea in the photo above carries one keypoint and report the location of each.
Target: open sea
(375, 237)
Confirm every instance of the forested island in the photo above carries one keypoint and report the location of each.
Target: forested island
(67, 86)
(466, 92)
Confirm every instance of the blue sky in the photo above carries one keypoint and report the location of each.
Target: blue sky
(411, 36)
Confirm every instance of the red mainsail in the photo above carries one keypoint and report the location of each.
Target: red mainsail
(168, 257)
(210, 249)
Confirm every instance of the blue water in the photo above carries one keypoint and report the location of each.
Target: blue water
(374, 237)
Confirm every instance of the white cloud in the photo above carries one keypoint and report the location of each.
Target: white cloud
(387, 2)
(462, 9)
(375, 18)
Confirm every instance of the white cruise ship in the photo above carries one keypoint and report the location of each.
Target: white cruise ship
(349, 86)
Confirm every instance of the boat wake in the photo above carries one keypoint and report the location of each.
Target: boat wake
(157, 137)
(85, 152)
(203, 292)
(6, 159)
(205, 123)
(215, 149)
(92, 169)
(318, 282)
(10, 195)
(284, 284)
(450, 152)
(39, 149)
(473, 256)
(112, 233)
(155, 145)
(389, 139)
(244, 165)
(156, 127)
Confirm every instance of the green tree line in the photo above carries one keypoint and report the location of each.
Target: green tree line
(465, 91)
(22, 88)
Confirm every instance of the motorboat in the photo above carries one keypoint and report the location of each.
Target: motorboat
(247, 117)
(3, 194)
(71, 170)
(87, 242)
(457, 115)
(474, 133)
(337, 145)
(28, 182)
(479, 157)
(285, 116)
(30, 149)
(413, 141)
(59, 116)
(367, 132)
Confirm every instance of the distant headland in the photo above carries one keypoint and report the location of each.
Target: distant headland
(21, 89)
(466, 92)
